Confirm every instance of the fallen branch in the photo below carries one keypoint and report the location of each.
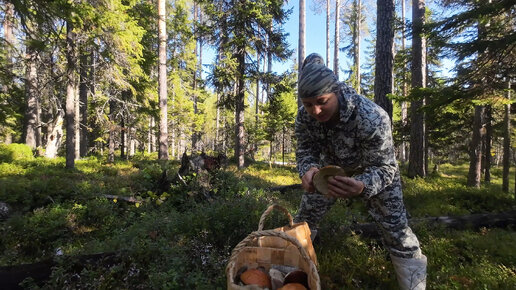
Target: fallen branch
(473, 221)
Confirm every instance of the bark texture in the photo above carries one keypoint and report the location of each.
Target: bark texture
(383, 81)
(163, 120)
(71, 56)
(416, 166)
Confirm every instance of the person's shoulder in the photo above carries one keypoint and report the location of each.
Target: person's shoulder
(302, 115)
(369, 110)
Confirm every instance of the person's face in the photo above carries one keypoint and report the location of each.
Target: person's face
(322, 107)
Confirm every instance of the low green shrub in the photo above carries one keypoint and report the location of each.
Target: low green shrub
(15, 151)
(182, 238)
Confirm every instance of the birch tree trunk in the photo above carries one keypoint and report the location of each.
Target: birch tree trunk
(404, 109)
(356, 48)
(149, 136)
(31, 93)
(328, 3)
(123, 137)
(162, 55)
(301, 43)
(77, 125)
(112, 131)
(55, 136)
(71, 56)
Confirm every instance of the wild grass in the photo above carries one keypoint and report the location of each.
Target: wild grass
(181, 239)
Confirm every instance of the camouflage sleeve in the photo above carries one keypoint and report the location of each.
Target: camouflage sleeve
(307, 152)
(379, 161)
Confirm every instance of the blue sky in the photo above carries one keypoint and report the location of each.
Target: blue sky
(316, 32)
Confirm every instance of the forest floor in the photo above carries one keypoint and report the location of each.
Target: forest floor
(113, 226)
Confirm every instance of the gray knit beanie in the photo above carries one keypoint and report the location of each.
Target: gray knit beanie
(316, 78)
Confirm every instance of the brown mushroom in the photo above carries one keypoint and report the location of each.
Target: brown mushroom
(297, 276)
(256, 277)
(320, 179)
(293, 286)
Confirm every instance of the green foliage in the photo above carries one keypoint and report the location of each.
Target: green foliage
(15, 151)
(281, 110)
(184, 241)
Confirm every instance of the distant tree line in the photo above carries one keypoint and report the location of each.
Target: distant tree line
(78, 77)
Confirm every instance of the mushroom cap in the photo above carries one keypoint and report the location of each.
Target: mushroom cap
(320, 179)
(293, 286)
(256, 277)
(297, 276)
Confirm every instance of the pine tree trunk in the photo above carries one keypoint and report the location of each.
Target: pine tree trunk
(475, 151)
(337, 39)
(507, 142)
(416, 165)
(195, 135)
(163, 121)
(488, 141)
(383, 80)
(71, 56)
(239, 111)
(9, 44)
(83, 98)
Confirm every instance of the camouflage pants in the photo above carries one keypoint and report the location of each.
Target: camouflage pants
(387, 210)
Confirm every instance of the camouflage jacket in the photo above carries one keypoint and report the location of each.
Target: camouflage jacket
(361, 142)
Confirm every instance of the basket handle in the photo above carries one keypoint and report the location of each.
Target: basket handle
(269, 210)
(250, 239)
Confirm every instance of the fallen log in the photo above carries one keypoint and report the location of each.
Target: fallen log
(12, 276)
(472, 221)
(284, 188)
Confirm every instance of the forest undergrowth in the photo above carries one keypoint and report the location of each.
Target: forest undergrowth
(181, 239)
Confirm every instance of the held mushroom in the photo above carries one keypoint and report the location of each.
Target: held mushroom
(320, 179)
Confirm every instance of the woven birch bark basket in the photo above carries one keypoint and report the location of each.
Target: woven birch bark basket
(267, 248)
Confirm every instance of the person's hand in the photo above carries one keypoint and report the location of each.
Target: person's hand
(344, 187)
(306, 180)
